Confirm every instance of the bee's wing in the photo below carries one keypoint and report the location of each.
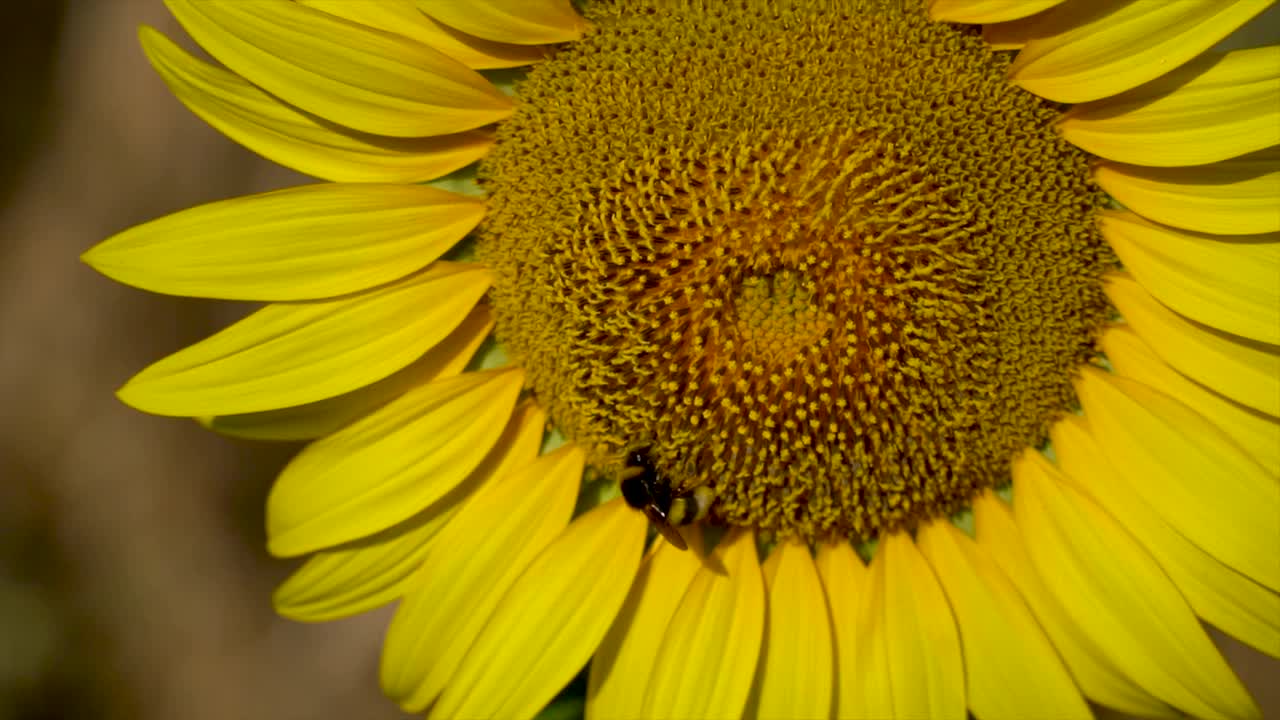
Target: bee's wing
(659, 522)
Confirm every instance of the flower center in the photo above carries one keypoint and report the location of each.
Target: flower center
(818, 257)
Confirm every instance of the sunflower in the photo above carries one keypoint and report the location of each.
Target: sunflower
(962, 399)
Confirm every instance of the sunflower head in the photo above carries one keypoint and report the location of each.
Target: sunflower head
(841, 306)
(787, 277)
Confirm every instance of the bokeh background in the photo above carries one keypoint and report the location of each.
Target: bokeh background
(133, 580)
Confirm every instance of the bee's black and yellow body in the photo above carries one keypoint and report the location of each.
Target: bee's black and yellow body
(647, 490)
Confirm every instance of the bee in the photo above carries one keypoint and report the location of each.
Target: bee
(647, 490)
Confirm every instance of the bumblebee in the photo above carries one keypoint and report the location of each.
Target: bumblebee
(647, 490)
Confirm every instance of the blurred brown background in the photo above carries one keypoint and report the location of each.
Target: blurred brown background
(133, 580)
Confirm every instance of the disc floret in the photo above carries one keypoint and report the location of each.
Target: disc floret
(838, 273)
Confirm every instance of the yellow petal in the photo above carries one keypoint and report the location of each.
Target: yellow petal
(308, 242)
(1117, 593)
(1010, 35)
(872, 691)
(483, 54)
(319, 418)
(390, 465)
(358, 77)
(298, 140)
(374, 571)
(1220, 595)
(707, 661)
(1240, 196)
(548, 624)
(470, 566)
(399, 17)
(1256, 433)
(1191, 473)
(1085, 656)
(1213, 108)
(843, 577)
(361, 576)
(1246, 372)
(1011, 668)
(1085, 51)
(794, 678)
(624, 662)
(908, 656)
(1228, 282)
(986, 11)
(294, 353)
(523, 22)
(404, 18)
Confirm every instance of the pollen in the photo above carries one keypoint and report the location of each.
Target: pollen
(817, 257)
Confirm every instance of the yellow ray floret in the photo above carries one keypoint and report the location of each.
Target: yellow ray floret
(908, 659)
(297, 139)
(408, 455)
(517, 666)
(303, 243)
(403, 17)
(1089, 658)
(1219, 594)
(1247, 372)
(1011, 668)
(1255, 432)
(1117, 594)
(317, 419)
(707, 661)
(1085, 51)
(1213, 108)
(1011, 35)
(512, 21)
(1189, 471)
(795, 676)
(986, 11)
(479, 53)
(1231, 283)
(623, 664)
(398, 17)
(294, 353)
(844, 578)
(504, 526)
(353, 75)
(360, 576)
(1240, 196)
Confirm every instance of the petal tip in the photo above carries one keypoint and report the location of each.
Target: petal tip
(148, 34)
(280, 544)
(284, 601)
(92, 257)
(136, 395)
